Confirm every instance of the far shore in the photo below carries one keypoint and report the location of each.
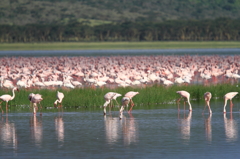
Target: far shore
(119, 45)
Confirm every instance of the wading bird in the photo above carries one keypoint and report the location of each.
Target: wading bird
(30, 98)
(60, 97)
(130, 95)
(229, 96)
(207, 98)
(186, 95)
(108, 98)
(6, 98)
(36, 99)
(125, 102)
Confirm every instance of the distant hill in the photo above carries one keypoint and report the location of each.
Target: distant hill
(21, 12)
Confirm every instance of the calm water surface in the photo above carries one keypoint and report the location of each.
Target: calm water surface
(160, 132)
(133, 52)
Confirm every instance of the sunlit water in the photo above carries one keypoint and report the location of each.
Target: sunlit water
(159, 132)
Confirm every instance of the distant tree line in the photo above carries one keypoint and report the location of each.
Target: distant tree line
(218, 29)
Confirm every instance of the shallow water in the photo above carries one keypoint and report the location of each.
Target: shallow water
(133, 52)
(160, 132)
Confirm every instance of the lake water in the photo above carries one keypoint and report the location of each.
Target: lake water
(133, 52)
(160, 132)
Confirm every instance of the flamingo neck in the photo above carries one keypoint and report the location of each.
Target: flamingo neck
(106, 103)
(190, 106)
(13, 96)
(225, 102)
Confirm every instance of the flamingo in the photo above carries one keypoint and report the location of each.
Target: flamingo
(36, 98)
(60, 97)
(30, 98)
(186, 95)
(6, 97)
(130, 95)
(229, 96)
(108, 98)
(125, 102)
(207, 98)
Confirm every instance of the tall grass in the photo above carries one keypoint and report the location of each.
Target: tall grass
(93, 98)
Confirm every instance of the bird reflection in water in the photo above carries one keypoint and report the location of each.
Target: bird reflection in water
(59, 127)
(112, 128)
(36, 129)
(208, 127)
(8, 134)
(185, 125)
(130, 130)
(231, 129)
(115, 127)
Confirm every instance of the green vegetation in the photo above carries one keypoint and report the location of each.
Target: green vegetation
(119, 20)
(118, 45)
(149, 96)
(21, 12)
(222, 29)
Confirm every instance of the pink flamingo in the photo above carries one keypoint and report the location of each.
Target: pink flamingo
(6, 98)
(108, 98)
(186, 95)
(130, 95)
(125, 102)
(60, 97)
(35, 99)
(207, 98)
(30, 98)
(227, 97)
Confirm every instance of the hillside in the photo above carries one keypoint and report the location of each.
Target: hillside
(21, 12)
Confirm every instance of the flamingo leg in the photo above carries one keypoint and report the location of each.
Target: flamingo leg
(231, 106)
(204, 109)
(34, 109)
(40, 108)
(210, 111)
(184, 104)
(132, 104)
(178, 107)
(1, 109)
(111, 103)
(178, 102)
(117, 102)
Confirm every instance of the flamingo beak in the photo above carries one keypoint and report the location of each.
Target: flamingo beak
(17, 89)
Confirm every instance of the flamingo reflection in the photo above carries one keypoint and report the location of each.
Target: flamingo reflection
(111, 128)
(130, 130)
(115, 127)
(8, 134)
(208, 127)
(36, 130)
(185, 126)
(59, 128)
(231, 129)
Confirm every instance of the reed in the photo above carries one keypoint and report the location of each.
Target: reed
(93, 98)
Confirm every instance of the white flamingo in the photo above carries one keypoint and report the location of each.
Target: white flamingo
(60, 97)
(6, 98)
